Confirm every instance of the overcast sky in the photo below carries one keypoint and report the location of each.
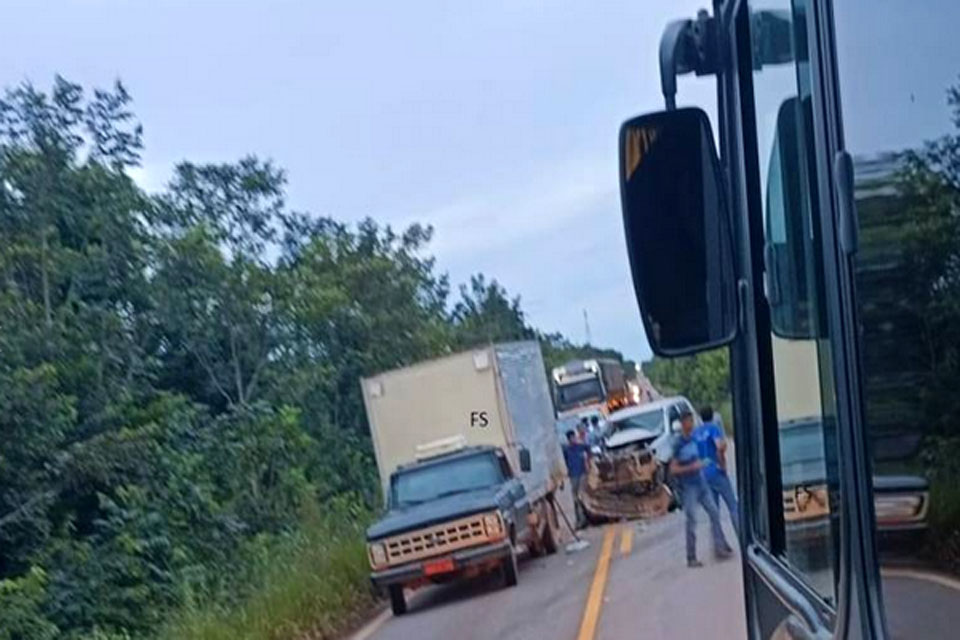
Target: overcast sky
(494, 121)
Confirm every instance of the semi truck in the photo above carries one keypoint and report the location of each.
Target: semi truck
(469, 462)
(581, 385)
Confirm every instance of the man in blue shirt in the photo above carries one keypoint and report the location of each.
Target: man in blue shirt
(576, 454)
(687, 467)
(713, 450)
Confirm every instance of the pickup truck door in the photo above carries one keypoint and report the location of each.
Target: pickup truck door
(519, 501)
(520, 504)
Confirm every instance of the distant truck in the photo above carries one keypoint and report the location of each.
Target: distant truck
(469, 462)
(580, 385)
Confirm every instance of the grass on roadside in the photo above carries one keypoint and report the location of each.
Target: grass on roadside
(313, 586)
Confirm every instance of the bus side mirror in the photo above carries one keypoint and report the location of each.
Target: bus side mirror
(524, 455)
(678, 231)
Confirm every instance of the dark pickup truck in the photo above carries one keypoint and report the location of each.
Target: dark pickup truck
(900, 501)
(451, 516)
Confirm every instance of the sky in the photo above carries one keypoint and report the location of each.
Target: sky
(493, 121)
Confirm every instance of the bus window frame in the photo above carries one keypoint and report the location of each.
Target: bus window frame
(858, 612)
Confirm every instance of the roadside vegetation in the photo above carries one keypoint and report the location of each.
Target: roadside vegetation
(183, 447)
(703, 378)
(312, 583)
(910, 284)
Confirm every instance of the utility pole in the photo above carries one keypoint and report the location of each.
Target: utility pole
(586, 325)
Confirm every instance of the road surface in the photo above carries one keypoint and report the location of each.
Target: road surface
(632, 582)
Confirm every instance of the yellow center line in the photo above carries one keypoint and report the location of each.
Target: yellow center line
(626, 541)
(591, 613)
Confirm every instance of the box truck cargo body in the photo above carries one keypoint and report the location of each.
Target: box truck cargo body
(496, 395)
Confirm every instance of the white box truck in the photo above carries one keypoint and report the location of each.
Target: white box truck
(469, 461)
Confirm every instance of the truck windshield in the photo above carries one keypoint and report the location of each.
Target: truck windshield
(459, 475)
(576, 393)
(801, 454)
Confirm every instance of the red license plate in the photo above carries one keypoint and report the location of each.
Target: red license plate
(434, 567)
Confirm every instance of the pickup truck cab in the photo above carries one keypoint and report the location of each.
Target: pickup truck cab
(452, 516)
(652, 425)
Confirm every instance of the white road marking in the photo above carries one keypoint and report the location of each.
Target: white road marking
(373, 626)
(916, 574)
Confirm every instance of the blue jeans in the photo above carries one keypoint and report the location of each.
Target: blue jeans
(721, 489)
(576, 486)
(698, 492)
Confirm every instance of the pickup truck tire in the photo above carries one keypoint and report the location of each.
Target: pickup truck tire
(398, 602)
(544, 537)
(509, 569)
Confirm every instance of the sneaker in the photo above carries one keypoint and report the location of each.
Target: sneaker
(724, 553)
(694, 564)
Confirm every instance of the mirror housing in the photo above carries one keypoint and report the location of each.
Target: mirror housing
(524, 454)
(678, 232)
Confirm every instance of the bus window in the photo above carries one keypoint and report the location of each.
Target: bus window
(805, 404)
(899, 72)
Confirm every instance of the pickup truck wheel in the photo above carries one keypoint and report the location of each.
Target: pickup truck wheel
(398, 603)
(509, 569)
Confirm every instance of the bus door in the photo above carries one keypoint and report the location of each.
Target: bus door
(761, 241)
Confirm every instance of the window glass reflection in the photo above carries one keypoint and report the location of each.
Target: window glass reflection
(900, 91)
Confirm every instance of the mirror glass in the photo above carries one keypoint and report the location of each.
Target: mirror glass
(524, 454)
(790, 213)
(678, 231)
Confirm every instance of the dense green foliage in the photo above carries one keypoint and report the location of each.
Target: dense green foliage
(909, 279)
(179, 382)
(703, 378)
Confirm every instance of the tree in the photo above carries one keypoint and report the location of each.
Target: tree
(220, 319)
(179, 372)
(70, 273)
(359, 302)
(703, 378)
(930, 186)
(485, 314)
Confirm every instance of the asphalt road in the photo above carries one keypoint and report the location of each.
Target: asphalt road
(647, 592)
(641, 588)
(921, 604)
(631, 582)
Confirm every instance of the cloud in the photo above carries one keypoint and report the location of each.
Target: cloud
(555, 239)
(520, 213)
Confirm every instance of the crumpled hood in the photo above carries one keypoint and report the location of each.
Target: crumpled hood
(417, 516)
(630, 436)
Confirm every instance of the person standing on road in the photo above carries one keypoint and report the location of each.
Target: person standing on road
(713, 451)
(576, 454)
(583, 432)
(687, 467)
(595, 430)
